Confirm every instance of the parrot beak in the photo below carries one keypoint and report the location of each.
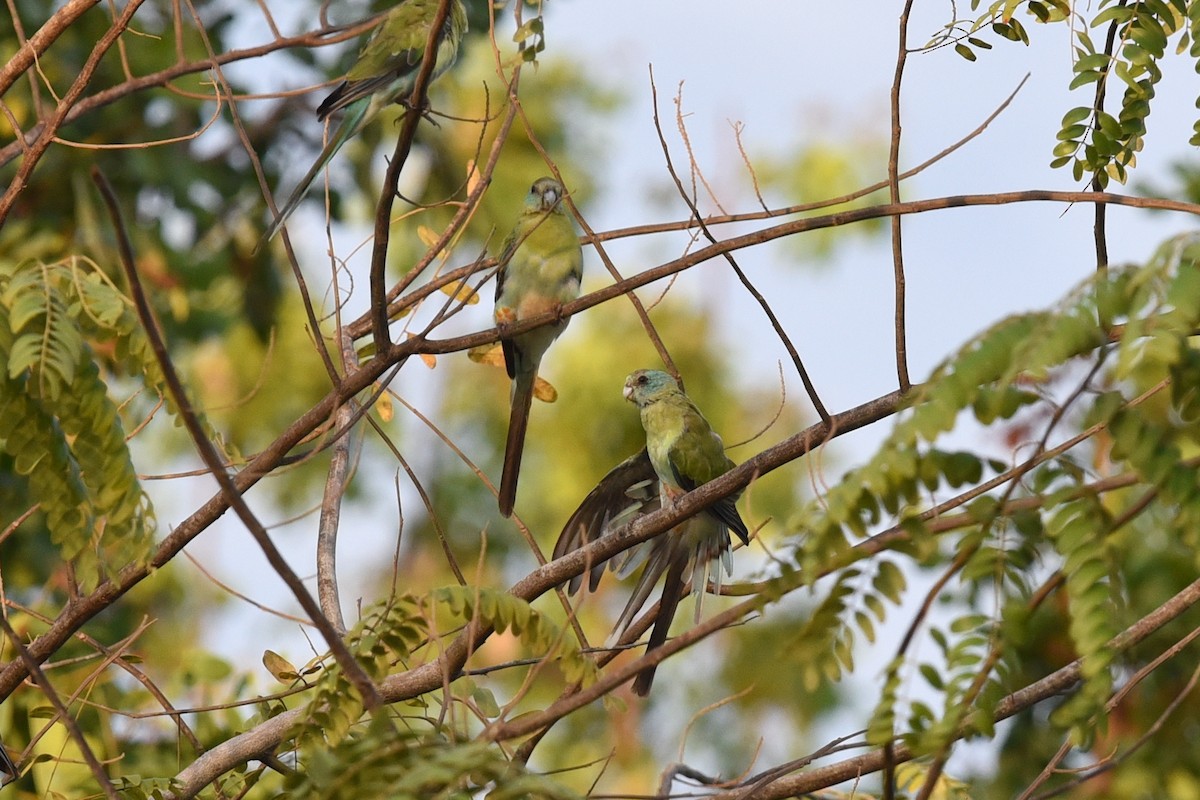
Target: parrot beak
(627, 392)
(550, 198)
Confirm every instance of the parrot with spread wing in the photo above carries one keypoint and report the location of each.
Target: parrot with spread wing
(387, 67)
(540, 267)
(682, 452)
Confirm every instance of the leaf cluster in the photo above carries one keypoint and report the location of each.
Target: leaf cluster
(1134, 327)
(57, 422)
(345, 752)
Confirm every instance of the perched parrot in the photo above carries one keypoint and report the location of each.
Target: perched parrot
(541, 265)
(682, 452)
(386, 69)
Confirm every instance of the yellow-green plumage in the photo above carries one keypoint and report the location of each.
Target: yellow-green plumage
(384, 73)
(682, 452)
(541, 266)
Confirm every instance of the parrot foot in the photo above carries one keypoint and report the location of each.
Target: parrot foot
(505, 316)
(425, 111)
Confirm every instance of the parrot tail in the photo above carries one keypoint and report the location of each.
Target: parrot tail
(351, 123)
(667, 603)
(518, 421)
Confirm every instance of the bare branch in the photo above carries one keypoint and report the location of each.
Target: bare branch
(331, 505)
(757, 295)
(37, 44)
(901, 327)
(208, 453)
(50, 128)
(64, 713)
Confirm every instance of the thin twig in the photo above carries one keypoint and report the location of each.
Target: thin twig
(758, 297)
(212, 459)
(163, 77)
(244, 139)
(383, 212)
(897, 243)
(64, 713)
(1111, 705)
(37, 44)
(49, 130)
(434, 520)
(1099, 229)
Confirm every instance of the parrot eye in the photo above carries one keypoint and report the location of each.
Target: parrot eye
(642, 379)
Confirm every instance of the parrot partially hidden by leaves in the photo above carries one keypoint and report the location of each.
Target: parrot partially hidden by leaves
(682, 452)
(384, 73)
(541, 265)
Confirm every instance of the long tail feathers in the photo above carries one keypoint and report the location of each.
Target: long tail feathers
(518, 421)
(667, 604)
(351, 123)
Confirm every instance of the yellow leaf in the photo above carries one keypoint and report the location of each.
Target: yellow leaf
(472, 176)
(489, 354)
(429, 358)
(384, 407)
(543, 391)
(426, 235)
(460, 291)
(492, 355)
(279, 666)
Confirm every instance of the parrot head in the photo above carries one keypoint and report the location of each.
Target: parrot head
(544, 196)
(646, 385)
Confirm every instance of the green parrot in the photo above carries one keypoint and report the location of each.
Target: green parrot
(386, 69)
(682, 452)
(541, 265)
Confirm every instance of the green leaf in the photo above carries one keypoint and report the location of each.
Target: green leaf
(485, 701)
(889, 581)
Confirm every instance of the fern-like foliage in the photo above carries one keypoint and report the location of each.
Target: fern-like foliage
(107, 315)
(506, 613)
(383, 760)
(824, 646)
(1126, 330)
(386, 635)
(59, 424)
(344, 753)
(1093, 141)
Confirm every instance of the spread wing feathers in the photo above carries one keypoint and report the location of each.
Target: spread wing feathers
(629, 489)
